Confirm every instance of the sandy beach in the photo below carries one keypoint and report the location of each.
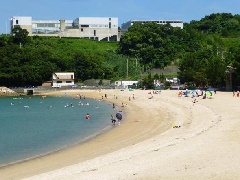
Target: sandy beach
(205, 144)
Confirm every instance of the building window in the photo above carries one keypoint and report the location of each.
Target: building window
(110, 25)
(94, 32)
(16, 21)
(109, 19)
(59, 81)
(83, 25)
(68, 81)
(81, 29)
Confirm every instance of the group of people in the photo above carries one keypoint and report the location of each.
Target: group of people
(236, 94)
(196, 93)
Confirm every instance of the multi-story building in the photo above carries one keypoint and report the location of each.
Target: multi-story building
(173, 23)
(97, 28)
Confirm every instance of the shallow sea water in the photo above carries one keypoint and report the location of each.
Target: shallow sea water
(31, 127)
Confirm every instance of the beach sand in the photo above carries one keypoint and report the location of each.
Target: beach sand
(146, 146)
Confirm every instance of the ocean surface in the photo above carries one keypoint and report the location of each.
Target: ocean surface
(32, 126)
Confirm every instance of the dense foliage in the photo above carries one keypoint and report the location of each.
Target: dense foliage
(224, 24)
(202, 50)
(32, 60)
(156, 45)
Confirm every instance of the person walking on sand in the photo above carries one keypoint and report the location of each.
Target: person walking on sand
(194, 101)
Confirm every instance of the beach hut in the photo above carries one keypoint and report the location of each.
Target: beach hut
(60, 79)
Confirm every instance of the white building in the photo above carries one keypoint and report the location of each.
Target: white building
(125, 84)
(23, 22)
(49, 27)
(97, 28)
(173, 23)
(60, 79)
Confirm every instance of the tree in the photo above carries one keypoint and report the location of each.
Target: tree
(155, 44)
(4, 39)
(20, 36)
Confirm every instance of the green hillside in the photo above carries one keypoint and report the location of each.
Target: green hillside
(201, 53)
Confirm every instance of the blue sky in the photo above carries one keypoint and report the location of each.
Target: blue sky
(125, 10)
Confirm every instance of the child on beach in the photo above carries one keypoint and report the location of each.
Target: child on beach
(113, 120)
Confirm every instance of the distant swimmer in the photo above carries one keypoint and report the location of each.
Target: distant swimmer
(12, 104)
(87, 104)
(26, 106)
(87, 116)
(67, 105)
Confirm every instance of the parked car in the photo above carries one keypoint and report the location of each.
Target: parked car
(74, 86)
(29, 86)
(56, 86)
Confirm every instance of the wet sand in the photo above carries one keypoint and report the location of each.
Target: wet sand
(146, 146)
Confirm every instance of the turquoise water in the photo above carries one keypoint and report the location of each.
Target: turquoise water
(34, 126)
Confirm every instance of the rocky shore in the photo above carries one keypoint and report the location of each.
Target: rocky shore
(4, 91)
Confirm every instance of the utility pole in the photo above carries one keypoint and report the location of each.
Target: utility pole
(127, 67)
(6, 26)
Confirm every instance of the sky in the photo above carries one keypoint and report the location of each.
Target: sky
(124, 10)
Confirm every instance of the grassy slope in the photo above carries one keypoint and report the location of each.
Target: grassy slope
(74, 44)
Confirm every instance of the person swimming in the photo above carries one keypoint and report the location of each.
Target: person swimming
(87, 116)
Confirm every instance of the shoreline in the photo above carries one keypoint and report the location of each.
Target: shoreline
(62, 148)
(146, 146)
(24, 169)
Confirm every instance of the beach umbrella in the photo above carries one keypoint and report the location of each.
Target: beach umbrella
(208, 93)
(119, 116)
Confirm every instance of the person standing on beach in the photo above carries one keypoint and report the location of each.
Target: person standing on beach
(113, 120)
